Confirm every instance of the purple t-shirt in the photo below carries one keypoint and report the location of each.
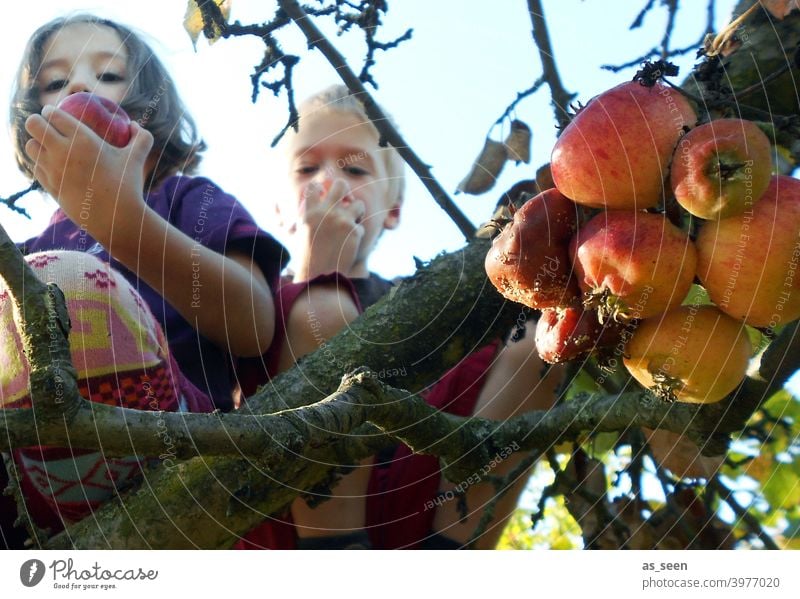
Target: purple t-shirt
(214, 219)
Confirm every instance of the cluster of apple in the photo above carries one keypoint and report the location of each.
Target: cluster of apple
(611, 266)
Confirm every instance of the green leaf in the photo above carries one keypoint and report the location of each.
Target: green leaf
(783, 404)
(782, 487)
(697, 296)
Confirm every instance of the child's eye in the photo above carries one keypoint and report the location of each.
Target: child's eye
(306, 170)
(110, 77)
(356, 171)
(54, 85)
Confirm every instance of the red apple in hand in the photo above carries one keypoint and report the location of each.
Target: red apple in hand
(615, 152)
(103, 116)
(721, 168)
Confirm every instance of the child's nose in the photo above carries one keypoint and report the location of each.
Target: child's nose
(325, 176)
(74, 87)
(80, 80)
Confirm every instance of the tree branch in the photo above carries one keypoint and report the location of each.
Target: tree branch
(400, 338)
(40, 314)
(561, 97)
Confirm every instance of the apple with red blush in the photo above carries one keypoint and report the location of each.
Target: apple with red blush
(615, 153)
(103, 116)
(721, 168)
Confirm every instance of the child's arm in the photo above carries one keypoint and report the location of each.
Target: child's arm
(99, 187)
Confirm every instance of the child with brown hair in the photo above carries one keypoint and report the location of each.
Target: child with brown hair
(166, 276)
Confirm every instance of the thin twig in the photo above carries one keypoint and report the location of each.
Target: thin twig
(742, 513)
(11, 201)
(501, 485)
(387, 131)
(520, 96)
(672, 10)
(639, 20)
(561, 97)
(664, 52)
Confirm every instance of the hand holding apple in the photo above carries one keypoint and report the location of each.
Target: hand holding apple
(101, 115)
(95, 183)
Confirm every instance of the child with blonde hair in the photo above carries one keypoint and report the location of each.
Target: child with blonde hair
(346, 191)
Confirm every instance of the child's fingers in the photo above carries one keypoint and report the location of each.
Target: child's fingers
(40, 129)
(34, 150)
(63, 122)
(312, 195)
(38, 154)
(339, 192)
(141, 141)
(357, 209)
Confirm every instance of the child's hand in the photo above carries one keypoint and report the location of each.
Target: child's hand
(98, 186)
(330, 231)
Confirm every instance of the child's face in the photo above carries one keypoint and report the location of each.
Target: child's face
(83, 57)
(334, 145)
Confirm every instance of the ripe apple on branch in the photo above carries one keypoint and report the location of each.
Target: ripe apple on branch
(619, 160)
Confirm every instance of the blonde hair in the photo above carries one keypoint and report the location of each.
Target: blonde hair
(338, 98)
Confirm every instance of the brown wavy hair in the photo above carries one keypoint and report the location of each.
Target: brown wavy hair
(151, 99)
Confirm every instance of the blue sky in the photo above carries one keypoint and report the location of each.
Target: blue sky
(445, 88)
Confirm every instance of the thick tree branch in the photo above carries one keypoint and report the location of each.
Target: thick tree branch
(400, 338)
(40, 313)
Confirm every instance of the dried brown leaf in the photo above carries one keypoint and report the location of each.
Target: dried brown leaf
(486, 168)
(518, 142)
(193, 20)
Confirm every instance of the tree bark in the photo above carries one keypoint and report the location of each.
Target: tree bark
(412, 337)
(207, 501)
